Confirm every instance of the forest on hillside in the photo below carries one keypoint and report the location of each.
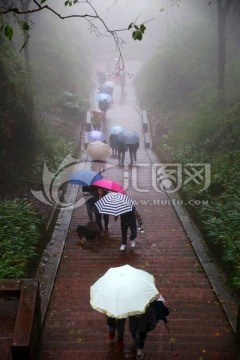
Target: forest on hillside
(189, 85)
(195, 110)
(44, 95)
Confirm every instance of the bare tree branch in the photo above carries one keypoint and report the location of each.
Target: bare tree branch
(90, 18)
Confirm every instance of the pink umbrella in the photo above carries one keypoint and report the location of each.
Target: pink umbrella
(110, 185)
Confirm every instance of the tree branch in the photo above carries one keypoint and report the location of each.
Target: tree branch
(88, 17)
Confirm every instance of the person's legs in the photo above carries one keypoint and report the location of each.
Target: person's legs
(137, 336)
(123, 156)
(119, 156)
(106, 221)
(131, 156)
(124, 229)
(120, 325)
(111, 322)
(135, 155)
(89, 206)
(133, 229)
(139, 341)
(98, 218)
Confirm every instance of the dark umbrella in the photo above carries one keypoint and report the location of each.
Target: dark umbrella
(129, 137)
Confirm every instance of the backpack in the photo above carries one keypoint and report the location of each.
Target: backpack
(157, 311)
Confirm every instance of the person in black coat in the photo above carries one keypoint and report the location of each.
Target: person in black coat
(90, 193)
(113, 144)
(129, 221)
(98, 216)
(103, 105)
(116, 325)
(121, 149)
(140, 325)
(133, 152)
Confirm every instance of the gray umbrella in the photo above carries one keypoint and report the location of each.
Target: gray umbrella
(129, 137)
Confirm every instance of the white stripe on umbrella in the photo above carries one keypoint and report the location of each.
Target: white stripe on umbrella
(114, 204)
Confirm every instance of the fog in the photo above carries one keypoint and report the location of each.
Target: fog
(163, 21)
(159, 17)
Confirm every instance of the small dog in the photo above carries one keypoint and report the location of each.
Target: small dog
(89, 234)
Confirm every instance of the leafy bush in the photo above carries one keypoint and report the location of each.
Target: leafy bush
(53, 147)
(17, 121)
(178, 88)
(19, 237)
(74, 103)
(222, 222)
(178, 71)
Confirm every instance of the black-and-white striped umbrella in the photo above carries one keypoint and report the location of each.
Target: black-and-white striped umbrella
(114, 204)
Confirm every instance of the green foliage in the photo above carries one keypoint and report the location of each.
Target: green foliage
(52, 147)
(17, 123)
(74, 103)
(57, 68)
(19, 237)
(225, 175)
(27, 142)
(178, 88)
(70, 3)
(138, 32)
(177, 72)
(222, 223)
(24, 25)
(8, 31)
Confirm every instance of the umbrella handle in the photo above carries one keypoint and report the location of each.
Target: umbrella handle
(165, 325)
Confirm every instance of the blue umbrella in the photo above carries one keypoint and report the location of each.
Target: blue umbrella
(129, 137)
(115, 130)
(103, 96)
(84, 177)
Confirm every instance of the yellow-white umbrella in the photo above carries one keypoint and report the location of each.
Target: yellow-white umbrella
(98, 150)
(123, 291)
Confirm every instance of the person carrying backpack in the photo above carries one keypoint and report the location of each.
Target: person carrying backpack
(140, 325)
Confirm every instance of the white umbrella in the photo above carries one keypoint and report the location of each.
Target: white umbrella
(98, 150)
(95, 135)
(109, 83)
(123, 291)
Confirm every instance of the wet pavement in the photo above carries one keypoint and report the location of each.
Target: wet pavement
(199, 326)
